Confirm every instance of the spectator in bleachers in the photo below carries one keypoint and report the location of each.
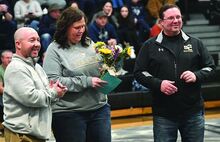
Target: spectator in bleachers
(11, 5)
(7, 26)
(28, 13)
(101, 30)
(47, 25)
(6, 56)
(153, 7)
(140, 14)
(155, 29)
(109, 11)
(127, 30)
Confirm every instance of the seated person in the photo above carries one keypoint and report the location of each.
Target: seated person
(28, 13)
(127, 30)
(155, 29)
(108, 9)
(47, 25)
(7, 26)
(101, 30)
(140, 14)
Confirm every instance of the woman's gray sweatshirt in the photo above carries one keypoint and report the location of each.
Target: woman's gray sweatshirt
(74, 67)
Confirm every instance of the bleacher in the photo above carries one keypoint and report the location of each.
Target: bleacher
(199, 27)
(125, 102)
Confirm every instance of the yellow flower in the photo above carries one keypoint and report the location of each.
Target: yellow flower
(112, 56)
(129, 51)
(99, 44)
(105, 51)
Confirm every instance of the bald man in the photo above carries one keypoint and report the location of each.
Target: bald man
(27, 94)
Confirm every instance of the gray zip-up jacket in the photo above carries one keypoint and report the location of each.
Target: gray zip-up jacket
(27, 98)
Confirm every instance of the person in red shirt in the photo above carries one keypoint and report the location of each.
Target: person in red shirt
(155, 29)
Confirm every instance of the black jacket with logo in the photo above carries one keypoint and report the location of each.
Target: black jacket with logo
(156, 62)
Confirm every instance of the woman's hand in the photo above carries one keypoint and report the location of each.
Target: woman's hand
(97, 82)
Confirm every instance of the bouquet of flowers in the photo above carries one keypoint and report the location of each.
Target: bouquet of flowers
(111, 56)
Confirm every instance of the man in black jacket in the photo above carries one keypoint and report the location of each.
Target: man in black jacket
(173, 65)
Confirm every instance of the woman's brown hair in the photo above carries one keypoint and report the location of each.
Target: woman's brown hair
(69, 16)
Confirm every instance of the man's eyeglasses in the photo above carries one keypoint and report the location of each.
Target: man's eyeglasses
(172, 18)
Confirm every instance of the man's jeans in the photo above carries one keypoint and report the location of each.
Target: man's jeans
(191, 128)
(88, 126)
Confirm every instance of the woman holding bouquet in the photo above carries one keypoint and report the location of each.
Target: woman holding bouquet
(83, 114)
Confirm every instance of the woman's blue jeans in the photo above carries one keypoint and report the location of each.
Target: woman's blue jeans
(191, 128)
(89, 126)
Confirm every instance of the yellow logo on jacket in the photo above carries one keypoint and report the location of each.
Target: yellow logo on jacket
(187, 48)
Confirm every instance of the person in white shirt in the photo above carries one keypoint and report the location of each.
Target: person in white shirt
(27, 13)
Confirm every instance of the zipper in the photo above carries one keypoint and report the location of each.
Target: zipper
(175, 62)
(175, 70)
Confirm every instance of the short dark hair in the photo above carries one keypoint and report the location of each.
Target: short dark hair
(67, 18)
(165, 8)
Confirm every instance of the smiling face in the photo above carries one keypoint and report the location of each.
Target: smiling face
(172, 21)
(27, 42)
(107, 8)
(76, 30)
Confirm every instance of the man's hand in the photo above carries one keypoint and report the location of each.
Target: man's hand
(188, 76)
(167, 87)
(97, 82)
(61, 89)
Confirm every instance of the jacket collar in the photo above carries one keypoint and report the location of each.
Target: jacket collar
(29, 60)
(160, 37)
